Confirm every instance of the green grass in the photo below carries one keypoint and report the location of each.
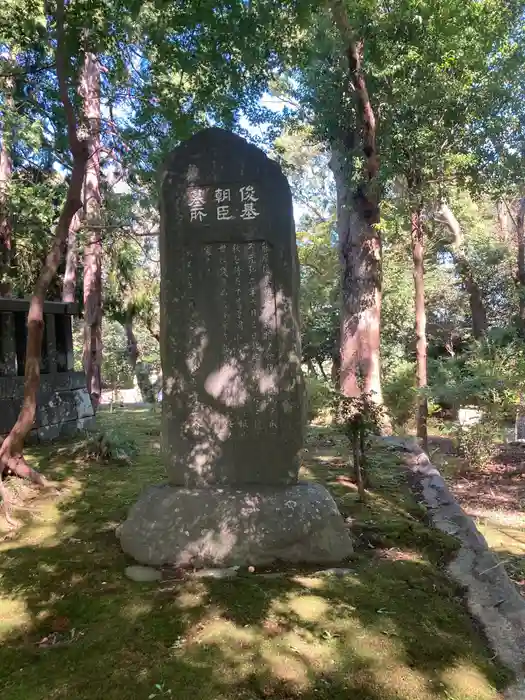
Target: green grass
(395, 628)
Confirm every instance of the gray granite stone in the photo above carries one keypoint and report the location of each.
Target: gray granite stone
(83, 403)
(48, 433)
(232, 385)
(57, 405)
(215, 527)
(142, 574)
(88, 423)
(232, 408)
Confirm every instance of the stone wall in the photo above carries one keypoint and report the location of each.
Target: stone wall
(64, 405)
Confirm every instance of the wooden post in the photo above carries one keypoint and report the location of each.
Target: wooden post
(51, 343)
(8, 344)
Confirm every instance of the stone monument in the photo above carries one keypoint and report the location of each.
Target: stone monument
(232, 416)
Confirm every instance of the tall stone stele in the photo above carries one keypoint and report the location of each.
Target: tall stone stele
(232, 416)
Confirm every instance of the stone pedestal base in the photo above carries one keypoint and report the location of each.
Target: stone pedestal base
(233, 527)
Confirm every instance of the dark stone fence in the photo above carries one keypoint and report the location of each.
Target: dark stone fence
(64, 405)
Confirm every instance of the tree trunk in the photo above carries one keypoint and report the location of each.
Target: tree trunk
(70, 274)
(321, 368)
(92, 354)
(358, 217)
(421, 322)
(358, 473)
(503, 221)
(11, 449)
(141, 370)
(133, 346)
(477, 307)
(311, 369)
(360, 250)
(6, 173)
(520, 220)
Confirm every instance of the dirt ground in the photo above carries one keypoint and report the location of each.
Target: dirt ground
(494, 496)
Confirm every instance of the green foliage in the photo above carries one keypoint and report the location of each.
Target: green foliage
(476, 443)
(116, 370)
(358, 416)
(109, 446)
(490, 374)
(399, 391)
(319, 398)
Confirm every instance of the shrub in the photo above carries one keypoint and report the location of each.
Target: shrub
(477, 443)
(399, 391)
(110, 446)
(318, 398)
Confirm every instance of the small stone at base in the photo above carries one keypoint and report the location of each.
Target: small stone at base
(142, 574)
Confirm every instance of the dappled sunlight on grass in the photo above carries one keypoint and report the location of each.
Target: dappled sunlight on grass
(14, 615)
(394, 628)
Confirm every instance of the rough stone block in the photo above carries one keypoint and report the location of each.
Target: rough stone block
(47, 433)
(232, 527)
(230, 346)
(59, 408)
(83, 402)
(88, 423)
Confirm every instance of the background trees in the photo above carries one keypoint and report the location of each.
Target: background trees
(400, 127)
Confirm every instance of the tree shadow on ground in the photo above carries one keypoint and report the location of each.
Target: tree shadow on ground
(74, 626)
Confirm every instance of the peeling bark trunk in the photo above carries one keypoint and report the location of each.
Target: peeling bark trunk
(477, 307)
(70, 274)
(92, 354)
(418, 252)
(520, 225)
(11, 457)
(6, 173)
(360, 250)
(503, 221)
(132, 347)
(358, 216)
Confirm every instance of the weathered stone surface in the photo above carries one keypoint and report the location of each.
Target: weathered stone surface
(214, 527)
(142, 574)
(57, 406)
(232, 419)
(88, 423)
(232, 409)
(83, 403)
(48, 433)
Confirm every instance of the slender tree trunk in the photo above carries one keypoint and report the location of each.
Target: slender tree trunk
(93, 252)
(70, 274)
(11, 449)
(6, 173)
(503, 220)
(520, 221)
(477, 307)
(335, 372)
(311, 369)
(358, 217)
(418, 251)
(141, 370)
(321, 369)
(133, 346)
